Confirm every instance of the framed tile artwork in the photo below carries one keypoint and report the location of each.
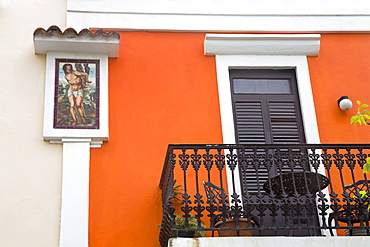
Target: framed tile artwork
(76, 94)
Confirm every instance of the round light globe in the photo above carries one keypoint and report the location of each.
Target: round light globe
(345, 104)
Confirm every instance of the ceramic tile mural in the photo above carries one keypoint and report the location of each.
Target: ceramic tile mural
(76, 99)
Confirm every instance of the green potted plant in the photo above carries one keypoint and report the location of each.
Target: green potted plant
(180, 221)
(192, 224)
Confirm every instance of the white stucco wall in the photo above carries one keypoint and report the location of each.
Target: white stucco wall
(30, 168)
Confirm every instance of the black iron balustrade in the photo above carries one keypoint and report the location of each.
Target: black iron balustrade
(292, 190)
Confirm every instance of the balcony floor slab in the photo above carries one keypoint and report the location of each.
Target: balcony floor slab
(339, 241)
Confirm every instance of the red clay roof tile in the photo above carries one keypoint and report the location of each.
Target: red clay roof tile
(85, 41)
(70, 32)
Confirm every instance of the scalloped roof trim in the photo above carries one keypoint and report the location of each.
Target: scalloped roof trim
(85, 41)
(70, 32)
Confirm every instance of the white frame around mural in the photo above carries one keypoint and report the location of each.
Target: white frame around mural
(54, 135)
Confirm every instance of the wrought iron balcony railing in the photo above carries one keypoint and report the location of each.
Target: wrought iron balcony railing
(265, 190)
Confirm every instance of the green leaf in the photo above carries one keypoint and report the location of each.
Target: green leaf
(366, 116)
(364, 106)
(362, 120)
(368, 160)
(367, 111)
(358, 102)
(354, 120)
(362, 193)
(366, 168)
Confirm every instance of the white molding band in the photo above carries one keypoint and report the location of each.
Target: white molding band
(265, 16)
(42, 46)
(219, 23)
(262, 44)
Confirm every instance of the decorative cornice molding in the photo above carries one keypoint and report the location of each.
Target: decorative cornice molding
(92, 141)
(267, 16)
(262, 44)
(85, 41)
(70, 32)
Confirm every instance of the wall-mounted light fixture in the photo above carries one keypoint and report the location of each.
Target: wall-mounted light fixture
(344, 103)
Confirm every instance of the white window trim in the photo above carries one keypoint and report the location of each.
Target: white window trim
(299, 63)
(264, 52)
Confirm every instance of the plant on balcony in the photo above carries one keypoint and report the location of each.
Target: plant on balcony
(176, 191)
(366, 166)
(364, 201)
(363, 194)
(362, 114)
(180, 221)
(192, 224)
(361, 117)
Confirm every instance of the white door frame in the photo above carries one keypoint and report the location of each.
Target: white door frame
(238, 51)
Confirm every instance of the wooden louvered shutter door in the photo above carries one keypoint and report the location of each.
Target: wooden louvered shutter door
(265, 121)
(249, 126)
(266, 106)
(279, 123)
(266, 110)
(265, 114)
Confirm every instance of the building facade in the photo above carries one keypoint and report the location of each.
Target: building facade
(164, 79)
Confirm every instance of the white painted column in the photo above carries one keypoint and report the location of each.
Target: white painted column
(75, 192)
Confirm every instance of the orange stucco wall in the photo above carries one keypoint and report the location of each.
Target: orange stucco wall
(342, 68)
(162, 90)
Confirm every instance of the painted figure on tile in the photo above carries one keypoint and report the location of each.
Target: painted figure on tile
(77, 94)
(77, 80)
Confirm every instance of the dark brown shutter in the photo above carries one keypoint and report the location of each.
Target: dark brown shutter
(265, 117)
(266, 110)
(249, 122)
(284, 122)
